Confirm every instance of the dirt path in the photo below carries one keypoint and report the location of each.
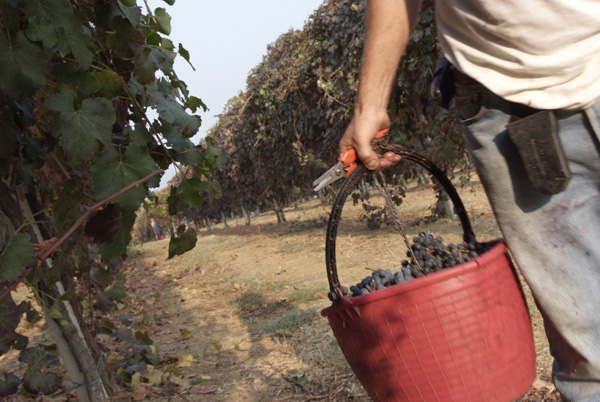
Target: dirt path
(240, 313)
(238, 318)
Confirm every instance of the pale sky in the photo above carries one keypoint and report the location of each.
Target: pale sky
(226, 39)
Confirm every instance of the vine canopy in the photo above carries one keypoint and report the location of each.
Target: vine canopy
(89, 105)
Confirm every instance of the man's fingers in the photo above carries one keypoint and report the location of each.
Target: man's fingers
(366, 154)
(389, 159)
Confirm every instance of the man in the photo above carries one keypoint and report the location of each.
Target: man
(157, 229)
(512, 59)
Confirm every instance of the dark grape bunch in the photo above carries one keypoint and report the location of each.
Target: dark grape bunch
(431, 255)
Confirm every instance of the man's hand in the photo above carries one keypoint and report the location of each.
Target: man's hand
(360, 133)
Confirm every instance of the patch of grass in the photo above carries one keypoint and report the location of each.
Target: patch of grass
(293, 319)
(306, 295)
(250, 301)
(264, 287)
(296, 244)
(332, 352)
(254, 306)
(289, 245)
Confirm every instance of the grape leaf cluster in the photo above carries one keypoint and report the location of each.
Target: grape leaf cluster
(429, 254)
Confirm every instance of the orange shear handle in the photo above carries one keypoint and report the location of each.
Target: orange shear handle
(348, 158)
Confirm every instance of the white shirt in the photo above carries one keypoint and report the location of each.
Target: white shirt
(542, 53)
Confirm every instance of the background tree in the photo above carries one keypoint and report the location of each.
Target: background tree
(283, 131)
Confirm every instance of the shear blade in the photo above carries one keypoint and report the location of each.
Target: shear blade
(333, 174)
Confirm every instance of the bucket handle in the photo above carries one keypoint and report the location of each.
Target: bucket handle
(349, 185)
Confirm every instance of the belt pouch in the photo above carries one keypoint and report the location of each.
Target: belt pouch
(539, 147)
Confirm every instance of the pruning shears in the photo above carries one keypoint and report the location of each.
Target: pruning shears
(346, 164)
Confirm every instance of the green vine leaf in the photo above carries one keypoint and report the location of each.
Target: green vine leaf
(23, 65)
(118, 247)
(38, 359)
(144, 337)
(132, 13)
(186, 55)
(54, 312)
(148, 60)
(171, 111)
(123, 39)
(103, 225)
(9, 384)
(49, 21)
(118, 292)
(53, 23)
(187, 194)
(113, 170)
(167, 44)
(33, 149)
(81, 131)
(10, 316)
(9, 134)
(21, 342)
(182, 243)
(6, 340)
(163, 20)
(36, 382)
(105, 326)
(185, 151)
(66, 210)
(194, 103)
(80, 45)
(71, 74)
(17, 255)
(215, 190)
(128, 3)
(111, 83)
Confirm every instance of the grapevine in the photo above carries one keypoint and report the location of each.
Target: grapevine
(78, 156)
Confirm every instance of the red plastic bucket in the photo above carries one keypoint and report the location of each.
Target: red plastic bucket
(461, 334)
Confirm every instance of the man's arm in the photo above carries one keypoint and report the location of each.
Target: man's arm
(389, 24)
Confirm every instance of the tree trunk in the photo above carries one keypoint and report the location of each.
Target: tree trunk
(224, 219)
(245, 215)
(421, 179)
(364, 191)
(444, 206)
(279, 212)
(208, 225)
(321, 195)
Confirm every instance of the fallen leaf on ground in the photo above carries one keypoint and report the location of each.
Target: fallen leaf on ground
(185, 361)
(208, 390)
(135, 380)
(543, 385)
(185, 333)
(238, 348)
